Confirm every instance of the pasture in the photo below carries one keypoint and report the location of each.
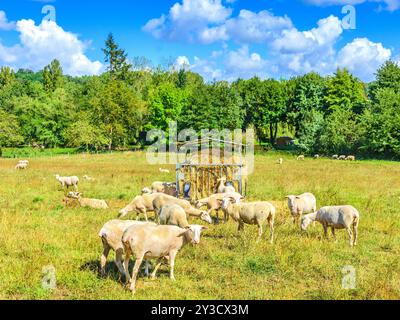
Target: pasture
(37, 231)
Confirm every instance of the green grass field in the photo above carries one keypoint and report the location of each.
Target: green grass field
(37, 231)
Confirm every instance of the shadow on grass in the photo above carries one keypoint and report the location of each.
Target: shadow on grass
(112, 272)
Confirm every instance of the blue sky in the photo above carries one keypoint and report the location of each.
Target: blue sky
(221, 39)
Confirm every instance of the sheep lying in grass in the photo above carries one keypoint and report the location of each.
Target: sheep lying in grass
(88, 203)
(299, 205)
(140, 204)
(339, 217)
(147, 242)
(173, 215)
(162, 199)
(68, 182)
(213, 202)
(111, 237)
(251, 213)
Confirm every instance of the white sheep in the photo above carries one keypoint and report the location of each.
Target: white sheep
(301, 158)
(280, 161)
(111, 237)
(222, 187)
(88, 203)
(173, 215)
(342, 157)
(68, 182)
(21, 166)
(147, 242)
(213, 202)
(299, 205)
(336, 217)
(161, 200)
(351, 158)
(168, 188)
(255, 213)
(140, 204)
(335, 157)
(317, 156)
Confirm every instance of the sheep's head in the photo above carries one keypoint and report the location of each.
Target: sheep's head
(205, 216)
(74, 195)
(146, 191)
(292, 202)
(305, 222)
(194, 233)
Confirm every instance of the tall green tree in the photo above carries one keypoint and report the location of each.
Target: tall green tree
(117, 59)
(53, 77)
(344, 92)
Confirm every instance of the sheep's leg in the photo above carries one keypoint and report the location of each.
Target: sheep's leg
(271, 229)
(333, 233)
(355, 230)
(350, 236)
(154, 273)
(172, 256)
(118, 262)
(103, 259)
(325, 230)
(241, 226)
(217, 213)
(260, 231)
(126, 266)
(135, 272)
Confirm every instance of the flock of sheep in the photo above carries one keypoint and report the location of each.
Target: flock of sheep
(162, 239)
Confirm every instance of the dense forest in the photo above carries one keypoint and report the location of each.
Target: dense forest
(326, 115)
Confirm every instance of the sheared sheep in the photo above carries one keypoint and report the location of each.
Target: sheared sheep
(336, 217)
(88, 203)
(147, 242)
(222, 187)
(213, 202)
(168, 188)
(21, 166)
(162, 199)
(254, 213)
(299, 205)
(111, 237)
(140, 204)
(173, 215)
(68, 182)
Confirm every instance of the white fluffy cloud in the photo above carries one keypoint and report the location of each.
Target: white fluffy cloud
(39, 44)
(363, 57)
(390, 5)
(4, 23)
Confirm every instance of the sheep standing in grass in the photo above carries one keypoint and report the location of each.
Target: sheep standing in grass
(168, 188)
(351, 158)
(223, 188)
(173, 215)
(162, 199)
(213, 202)
(339, 217)
(299, 205)
(147, 242)
(21, 166)
(254, 213)
(317, 156)
(68, 182)
(88, 203)
(342, 157)
(335, 157)
(111, 237)
(140, 204)
(301, 158)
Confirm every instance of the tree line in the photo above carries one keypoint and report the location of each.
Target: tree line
(337, 114)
